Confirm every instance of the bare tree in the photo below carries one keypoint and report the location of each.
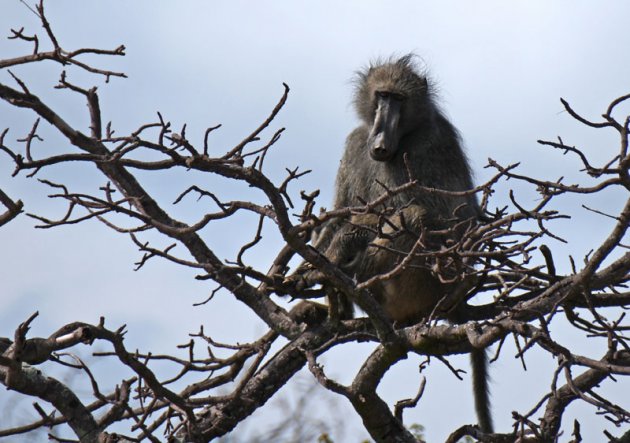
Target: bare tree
(512, 265)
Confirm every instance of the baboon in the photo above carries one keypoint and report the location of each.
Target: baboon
(403, 136)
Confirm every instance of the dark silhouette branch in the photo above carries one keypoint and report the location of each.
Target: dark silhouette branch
(510, 255)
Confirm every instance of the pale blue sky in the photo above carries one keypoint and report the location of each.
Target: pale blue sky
(500, 68)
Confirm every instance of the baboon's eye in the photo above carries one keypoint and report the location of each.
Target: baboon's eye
(389, 94)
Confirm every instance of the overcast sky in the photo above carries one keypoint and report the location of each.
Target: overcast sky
(499, 68)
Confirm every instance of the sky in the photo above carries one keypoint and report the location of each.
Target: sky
(499, 68)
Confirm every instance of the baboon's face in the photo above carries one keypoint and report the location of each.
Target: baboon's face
(393, 102)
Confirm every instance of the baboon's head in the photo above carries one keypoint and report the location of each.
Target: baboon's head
(393, 99)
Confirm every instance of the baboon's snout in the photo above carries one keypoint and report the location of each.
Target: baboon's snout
(379, 150)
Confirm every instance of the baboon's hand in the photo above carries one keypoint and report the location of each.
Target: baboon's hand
(302, 280)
